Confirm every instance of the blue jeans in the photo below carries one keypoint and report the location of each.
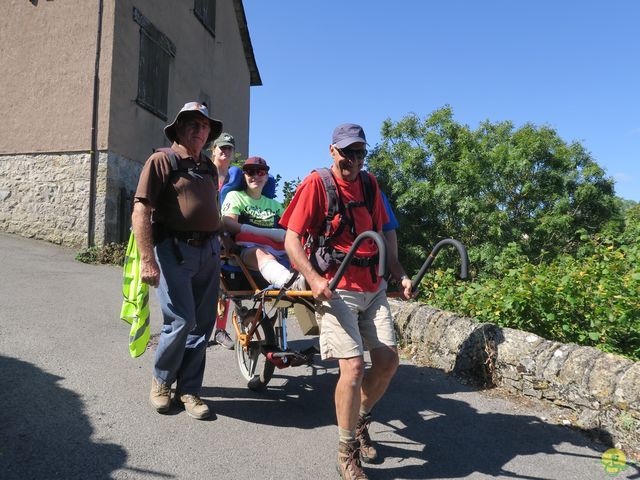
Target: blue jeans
(188, 296)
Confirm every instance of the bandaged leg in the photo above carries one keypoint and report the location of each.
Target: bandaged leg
(274, 273)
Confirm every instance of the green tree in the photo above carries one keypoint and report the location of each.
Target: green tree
(631, 234)
(627, 204)
(288, 190)
(490, 187)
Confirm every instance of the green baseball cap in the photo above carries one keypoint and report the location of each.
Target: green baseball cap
(224, 140)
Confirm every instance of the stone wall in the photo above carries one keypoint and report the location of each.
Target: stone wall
(600, 391)
(46, 196)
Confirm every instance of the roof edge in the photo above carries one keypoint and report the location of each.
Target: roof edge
(246, 43)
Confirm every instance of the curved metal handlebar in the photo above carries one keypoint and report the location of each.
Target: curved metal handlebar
(464, 259)
(382, 256)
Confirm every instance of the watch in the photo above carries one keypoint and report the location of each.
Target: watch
(402, 277)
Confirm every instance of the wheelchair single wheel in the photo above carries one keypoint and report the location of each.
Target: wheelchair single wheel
(253, 363)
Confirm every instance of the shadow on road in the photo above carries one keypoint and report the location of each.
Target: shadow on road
(453, 439)
(303, 402)
(44, 432)
(417, 420)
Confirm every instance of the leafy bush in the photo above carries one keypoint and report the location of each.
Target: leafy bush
(593, 299)
(110, 253)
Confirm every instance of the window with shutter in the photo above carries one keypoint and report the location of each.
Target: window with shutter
(205, 11)
(156, 52)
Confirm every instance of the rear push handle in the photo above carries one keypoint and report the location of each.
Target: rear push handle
(464, 261)
(382, 256)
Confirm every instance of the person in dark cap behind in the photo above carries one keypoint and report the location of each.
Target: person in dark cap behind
(357, 314)
(223, 151)
(176, 222)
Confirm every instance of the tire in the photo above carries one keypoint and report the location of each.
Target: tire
(253, 364)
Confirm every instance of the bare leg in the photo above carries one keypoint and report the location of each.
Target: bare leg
(347, 394)
(384, 363)
(347, 406)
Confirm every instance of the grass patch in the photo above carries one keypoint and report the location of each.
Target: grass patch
(108, 254)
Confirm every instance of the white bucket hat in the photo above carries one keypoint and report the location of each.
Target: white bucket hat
(216, 125)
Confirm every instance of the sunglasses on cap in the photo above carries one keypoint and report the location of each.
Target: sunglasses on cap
(261, 172)
(353, 153)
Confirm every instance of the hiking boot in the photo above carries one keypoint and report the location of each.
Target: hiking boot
(368, 452)
(193, 405)
(348, 465)
(224, 339)
(160, 396)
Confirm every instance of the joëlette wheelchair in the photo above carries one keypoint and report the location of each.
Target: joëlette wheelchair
(259, 313)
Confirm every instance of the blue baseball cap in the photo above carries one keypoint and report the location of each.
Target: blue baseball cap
(347, 134)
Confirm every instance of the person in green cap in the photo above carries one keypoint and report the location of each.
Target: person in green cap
(223, 151)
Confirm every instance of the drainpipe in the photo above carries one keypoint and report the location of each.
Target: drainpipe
(93, 171)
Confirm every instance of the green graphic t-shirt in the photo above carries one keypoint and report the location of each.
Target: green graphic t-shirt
(264, 212)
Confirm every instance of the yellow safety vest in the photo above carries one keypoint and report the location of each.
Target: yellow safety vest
(135, 306)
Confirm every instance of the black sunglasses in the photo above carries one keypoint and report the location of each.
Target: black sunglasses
(353, 153)
(261, 172)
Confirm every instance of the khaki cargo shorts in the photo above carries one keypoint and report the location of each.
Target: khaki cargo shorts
(351, 321)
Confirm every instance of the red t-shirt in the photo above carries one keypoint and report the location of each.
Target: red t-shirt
(306, 213)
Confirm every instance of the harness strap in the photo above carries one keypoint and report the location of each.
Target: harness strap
(335, 205)
(176, 250)
(176, 169)
(355, 260)
(333, 202)
(322, 252)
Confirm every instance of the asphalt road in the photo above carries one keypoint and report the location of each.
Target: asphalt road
(73, 404)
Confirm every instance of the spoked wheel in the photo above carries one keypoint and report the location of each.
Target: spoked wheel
(254, 366)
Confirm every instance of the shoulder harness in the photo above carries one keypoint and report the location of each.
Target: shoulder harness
(323, 254)
(160, 231)
(177, 170)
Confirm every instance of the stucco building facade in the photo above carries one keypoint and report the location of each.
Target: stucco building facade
(87, 87)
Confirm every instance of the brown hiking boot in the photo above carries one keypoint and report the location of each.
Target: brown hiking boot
(160, 396)
(368, 452)
(349, 462)
(193, 405)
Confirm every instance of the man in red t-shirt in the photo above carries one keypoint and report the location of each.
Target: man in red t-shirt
(357, 314)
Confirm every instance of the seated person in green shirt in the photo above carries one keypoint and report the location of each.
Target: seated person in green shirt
(253, 219)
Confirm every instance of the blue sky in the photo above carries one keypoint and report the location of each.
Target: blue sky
(572, 65)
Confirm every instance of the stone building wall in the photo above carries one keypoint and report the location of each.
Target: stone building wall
(599, 391)
(46, 196)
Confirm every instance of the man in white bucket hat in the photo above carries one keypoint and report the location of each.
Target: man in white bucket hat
(176, 222)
